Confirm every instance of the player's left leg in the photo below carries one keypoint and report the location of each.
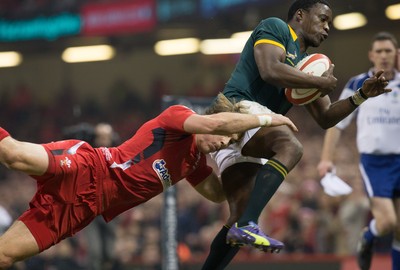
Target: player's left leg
(16, 244)
(280, 146)
(238, 183)
(277, 143)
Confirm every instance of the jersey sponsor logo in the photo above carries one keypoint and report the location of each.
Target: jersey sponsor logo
(65, 162)
(162, 172)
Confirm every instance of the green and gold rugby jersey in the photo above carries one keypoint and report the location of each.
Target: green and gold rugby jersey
(246, 82)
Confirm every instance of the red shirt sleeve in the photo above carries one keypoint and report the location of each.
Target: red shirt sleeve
(174, 117)
(201, 172)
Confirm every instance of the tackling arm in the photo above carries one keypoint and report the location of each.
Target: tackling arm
(227, 123)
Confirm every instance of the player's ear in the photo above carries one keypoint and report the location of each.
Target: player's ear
(299, 15)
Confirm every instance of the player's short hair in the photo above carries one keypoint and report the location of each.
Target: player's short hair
(384, 36)
(223, 104)
(305, 5)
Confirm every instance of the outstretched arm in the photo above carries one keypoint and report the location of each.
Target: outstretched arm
(328, 114)
(227, 123)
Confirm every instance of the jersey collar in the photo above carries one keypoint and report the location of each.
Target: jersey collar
(292, 33)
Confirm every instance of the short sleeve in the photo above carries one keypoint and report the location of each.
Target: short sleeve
(173, 117)
(272, 31)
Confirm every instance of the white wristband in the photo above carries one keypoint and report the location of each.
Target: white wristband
(358, 97)
(265, 120)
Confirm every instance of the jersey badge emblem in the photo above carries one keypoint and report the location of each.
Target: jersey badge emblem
(291, 55)
(65, 162)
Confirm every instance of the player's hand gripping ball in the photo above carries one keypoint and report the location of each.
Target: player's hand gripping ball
(314, 64)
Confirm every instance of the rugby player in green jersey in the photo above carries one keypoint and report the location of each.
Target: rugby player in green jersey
(253, 169)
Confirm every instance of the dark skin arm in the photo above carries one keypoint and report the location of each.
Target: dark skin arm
(270, 62)
(328, 114)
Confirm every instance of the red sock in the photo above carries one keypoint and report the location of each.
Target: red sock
(3, 133)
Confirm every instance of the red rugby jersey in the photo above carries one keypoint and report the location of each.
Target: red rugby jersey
(160, 154)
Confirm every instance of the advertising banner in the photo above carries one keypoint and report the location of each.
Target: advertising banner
(118, 17)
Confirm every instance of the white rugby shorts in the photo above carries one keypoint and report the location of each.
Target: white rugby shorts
(233, 153)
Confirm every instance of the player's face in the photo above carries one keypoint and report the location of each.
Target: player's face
(316, 24)
(383, 55)
(207, 143)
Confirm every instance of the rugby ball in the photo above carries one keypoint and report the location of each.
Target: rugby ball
(314, 64)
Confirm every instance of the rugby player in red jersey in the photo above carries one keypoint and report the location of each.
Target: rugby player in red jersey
(76, 182)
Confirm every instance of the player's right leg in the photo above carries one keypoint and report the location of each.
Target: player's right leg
(25, 157)
(16, 244)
